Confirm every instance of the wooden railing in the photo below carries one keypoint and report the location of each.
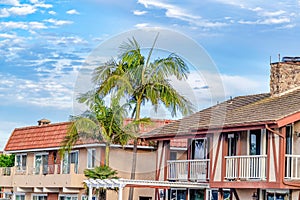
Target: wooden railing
(246, 167)
(292, 167)
(188, 170)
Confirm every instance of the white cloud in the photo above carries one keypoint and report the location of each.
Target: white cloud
(52, 12)
(22, 25)
(73, 12)
(6, 35)
(58, 22)
(273, 14)
(10, 2)
(139, 12)
(268, 21)
(173, 11)
(22, 10)
(141, 25)
(4, 13)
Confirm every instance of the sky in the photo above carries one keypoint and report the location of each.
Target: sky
(44, 46)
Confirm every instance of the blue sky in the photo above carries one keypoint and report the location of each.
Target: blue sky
(43, 45)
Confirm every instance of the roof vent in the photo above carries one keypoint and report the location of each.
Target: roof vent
(42, 122)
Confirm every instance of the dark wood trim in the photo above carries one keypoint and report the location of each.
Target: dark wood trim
(216, 158)
(235, 194)
(189, 156)
(245, 184)
(275, 158)
(282, 154)
(289, 119)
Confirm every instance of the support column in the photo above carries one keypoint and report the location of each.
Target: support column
(90, 192)
(120, 196)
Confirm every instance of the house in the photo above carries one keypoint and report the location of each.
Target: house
(41, 173)
(243, 148)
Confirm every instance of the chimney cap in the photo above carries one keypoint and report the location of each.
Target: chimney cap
(44, 122)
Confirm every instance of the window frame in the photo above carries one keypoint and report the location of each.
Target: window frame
(21, 168)
(91, 158)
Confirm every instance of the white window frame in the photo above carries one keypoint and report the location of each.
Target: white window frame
(68, 195)
(85, 197)
(91, 159)
(39, 195)
(20, 168)
(39, 154)
(69, 153)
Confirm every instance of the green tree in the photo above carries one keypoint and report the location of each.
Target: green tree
(101, 172)
(143, 80)
(100, 123)
(7, 160)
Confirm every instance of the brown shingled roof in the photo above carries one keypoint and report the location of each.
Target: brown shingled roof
(242, 110)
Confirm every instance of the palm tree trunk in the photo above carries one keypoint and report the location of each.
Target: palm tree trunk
(107, 146)
(133, 168)
(134, 153)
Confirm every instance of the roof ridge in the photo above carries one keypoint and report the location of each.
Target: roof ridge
(40, 126)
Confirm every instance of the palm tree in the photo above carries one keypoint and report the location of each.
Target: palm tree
(141, 81)
(99, 123)
(101, 172)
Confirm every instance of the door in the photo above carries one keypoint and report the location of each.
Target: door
(256, 164)
(198, 167)
(289, 151)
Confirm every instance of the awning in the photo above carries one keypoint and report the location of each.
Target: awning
(121, 183)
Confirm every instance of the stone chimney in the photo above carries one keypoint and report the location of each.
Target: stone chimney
(42, 122)
(285, 76)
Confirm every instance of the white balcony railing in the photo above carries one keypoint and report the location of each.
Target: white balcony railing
(246, 167)
(292, 164)
(5, 171)
(184, 170)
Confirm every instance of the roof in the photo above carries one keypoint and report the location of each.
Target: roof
(52, 135)
(239, 111)
(36, 137)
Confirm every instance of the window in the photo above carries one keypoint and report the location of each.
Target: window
(39, 197)
(91, 158)
(68, 197)
(70, 158)
(232, 143)
(41, 163)
(21, 162)
(20, 196)
(199, 149)
(85, 197)
(213, 194)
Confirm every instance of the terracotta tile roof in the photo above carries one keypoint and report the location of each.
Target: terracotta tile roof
(242, 110)
(52, 135)
(36, 137)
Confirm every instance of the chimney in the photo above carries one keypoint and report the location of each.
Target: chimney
(42, 122)
(285, 76)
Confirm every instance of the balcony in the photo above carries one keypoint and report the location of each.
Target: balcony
(292, 163)
(246, 167)
(51, 175)
(188, 170)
